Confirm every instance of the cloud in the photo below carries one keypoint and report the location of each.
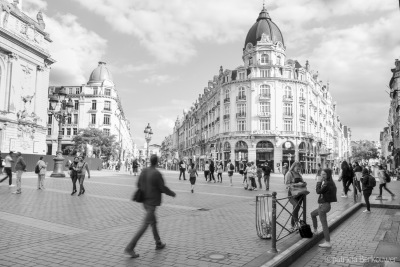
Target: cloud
(75, 48)
(159, 79)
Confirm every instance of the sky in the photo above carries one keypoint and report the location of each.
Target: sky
(163, 53)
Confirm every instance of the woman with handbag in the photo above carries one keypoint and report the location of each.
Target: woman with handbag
(326, 189)
(297, 188)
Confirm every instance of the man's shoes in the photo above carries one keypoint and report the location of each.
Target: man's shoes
(11, 185)
(325, 245)
(344, 196)
(379, 197)
(192, 190)
(132, 253)
(367, 211)
(160, 246)
(16, 192)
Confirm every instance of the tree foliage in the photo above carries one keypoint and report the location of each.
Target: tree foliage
(103, 145)
(364, 150)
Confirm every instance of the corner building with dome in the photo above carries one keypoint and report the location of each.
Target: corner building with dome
(96, 105)
(272, 109)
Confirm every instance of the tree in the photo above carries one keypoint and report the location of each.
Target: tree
(364, 150)
(103, 145)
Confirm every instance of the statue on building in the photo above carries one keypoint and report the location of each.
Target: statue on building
(5, 13)
(40, 20)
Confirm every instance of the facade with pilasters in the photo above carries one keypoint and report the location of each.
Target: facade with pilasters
(271, 109)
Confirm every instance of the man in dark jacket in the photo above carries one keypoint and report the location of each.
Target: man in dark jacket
(267, 172)
(212, 169)
(366, 188)
(152, 183)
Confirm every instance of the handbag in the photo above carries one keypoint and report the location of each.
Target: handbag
(305, 230)
(139, 195)
(298, 191)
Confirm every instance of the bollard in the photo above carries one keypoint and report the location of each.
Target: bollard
(305, 209)
(273, 234)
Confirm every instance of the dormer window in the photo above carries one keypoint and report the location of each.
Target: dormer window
(241, 75)
(264, 59)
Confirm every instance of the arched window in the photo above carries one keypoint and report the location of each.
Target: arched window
(265, 144)
(242, 94)
(264, 59)
(288, 91)
(265, 89)
(241, 145)
(227, 94)
(302, 146)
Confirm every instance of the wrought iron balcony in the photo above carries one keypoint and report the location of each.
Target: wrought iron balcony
(287, 114)
(265, 96)
(226, 116)
(241, 115)
(241, 98)
(287, 98)
(264, 114)
(227, 100)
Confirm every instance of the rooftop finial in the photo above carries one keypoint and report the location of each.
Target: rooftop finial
(263, 4)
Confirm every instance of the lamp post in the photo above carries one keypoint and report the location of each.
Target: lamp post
(65, 109)
(148, 132)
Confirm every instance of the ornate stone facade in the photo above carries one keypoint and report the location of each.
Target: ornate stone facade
(394, 111)
(271, 109)
(24, 79)
(96, 105)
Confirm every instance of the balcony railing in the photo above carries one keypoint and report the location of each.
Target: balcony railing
(227, 100)
(288, 132)
(286, 114)
(226, 116)
(287, 98)
(241, 115)
(265, 96)
(264, 114)
(241, 98)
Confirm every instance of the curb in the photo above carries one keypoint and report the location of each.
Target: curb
(383, 206)
(291, 254)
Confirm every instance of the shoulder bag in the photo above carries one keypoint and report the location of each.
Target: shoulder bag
(139, 195)
(298, 190)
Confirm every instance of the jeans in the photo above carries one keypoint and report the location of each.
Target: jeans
(259, 182)
(149, 219)
(345, 188)
(296, 202)
(219, 176)
(357, 185)
(384, 186)
(266, 181)
(81, 179)
(212, 175)
(8, 172)
(321, 211)
(41, 181)
(367, 194)
(19, 176)
(206, 173)
(182, 171)
(74, 178)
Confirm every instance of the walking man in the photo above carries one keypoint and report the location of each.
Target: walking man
(267, 172)
(20, 167)
(7, 168)
(230, 168)
(42, 172)
(152, 183)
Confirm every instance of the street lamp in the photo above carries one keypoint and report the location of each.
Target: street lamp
(148, 132)
(59, 115)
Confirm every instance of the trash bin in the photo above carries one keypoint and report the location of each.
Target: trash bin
(263, 215)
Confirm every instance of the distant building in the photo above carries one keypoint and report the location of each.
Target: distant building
(271, 109)
(96, 105)
(141, 152)
(25, 68)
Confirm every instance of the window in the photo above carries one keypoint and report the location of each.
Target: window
(94, 104)
(226, 126)
(49, 119)
(78, 90)
(241, 109)
(107, 105)
(107, 91)
(265, 90)
(93, 119)
(68, 131)
(69, 119)
(302, 126)
(75, 118)
(227, 110)
(265, 73)
(70, 91)
(241, 75)
(278, 60)
(107, 132)
(288, 92)
(302, 93)
(95, 90)
(241, 126)
(265, 124)
(265, 107)
(288, 125)
(75, 132)
(302, 110)
(76, 104)
(264, 59)
(62, 131)
(287, 109)
(106, 120)
(242, 94)
(48, 131)
(227, 94)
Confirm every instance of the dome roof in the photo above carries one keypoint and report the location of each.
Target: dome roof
(265, 25)
(100, 74)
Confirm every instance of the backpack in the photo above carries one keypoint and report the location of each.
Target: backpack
(305, 230)
(232, 167)
(387, 177)
(37, 169)
(371, 181)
